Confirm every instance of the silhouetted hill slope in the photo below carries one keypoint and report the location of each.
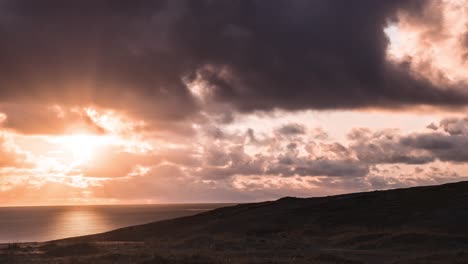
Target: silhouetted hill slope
(422, 225)
(439, 209)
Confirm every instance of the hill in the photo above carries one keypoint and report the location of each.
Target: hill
(413, 225)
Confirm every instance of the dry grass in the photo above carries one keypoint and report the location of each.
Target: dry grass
(76, 249)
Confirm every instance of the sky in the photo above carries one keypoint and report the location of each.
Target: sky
(122, 102)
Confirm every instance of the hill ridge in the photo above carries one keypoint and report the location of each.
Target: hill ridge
(423, 208)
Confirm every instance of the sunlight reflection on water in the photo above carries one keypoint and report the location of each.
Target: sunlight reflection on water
(27, 224)
(80, 221)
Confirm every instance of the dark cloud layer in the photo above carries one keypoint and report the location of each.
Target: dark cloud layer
(253, 55)
(90, 52)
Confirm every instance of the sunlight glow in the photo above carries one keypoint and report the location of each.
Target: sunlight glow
(82, 146)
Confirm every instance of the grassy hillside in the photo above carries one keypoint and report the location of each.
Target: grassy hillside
(414, 225)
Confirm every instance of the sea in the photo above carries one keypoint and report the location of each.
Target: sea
(45, 223)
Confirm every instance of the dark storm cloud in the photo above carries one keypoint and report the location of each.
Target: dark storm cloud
(302, 54)
(108, 53)
(254, 55)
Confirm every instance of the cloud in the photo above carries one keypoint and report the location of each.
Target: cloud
(168, 183)
(441, 146)
(39, 119)
(384, 147)
(300, 54)
(455, 126)
(292, 129)
(368, 159)
(149, 57)
(48, 194)
(276, 155)
(11, 155)
(114, 163)
(447, 143)
(430, 42)
(169, 90)
(320, 167)
(226, 163)
(117, 162)
(105, 54)
(305, 155)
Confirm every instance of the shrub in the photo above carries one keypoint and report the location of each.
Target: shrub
(13, 246)
(73, 250)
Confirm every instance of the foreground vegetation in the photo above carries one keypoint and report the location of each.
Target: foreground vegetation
(420, 225)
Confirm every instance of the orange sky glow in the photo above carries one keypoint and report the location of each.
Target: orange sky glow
(99, 135)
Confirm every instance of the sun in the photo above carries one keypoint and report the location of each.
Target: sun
(83, 147)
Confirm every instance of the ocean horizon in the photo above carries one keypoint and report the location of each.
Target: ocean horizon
(45, 223)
